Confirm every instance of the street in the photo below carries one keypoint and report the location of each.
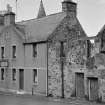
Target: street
(38, 100)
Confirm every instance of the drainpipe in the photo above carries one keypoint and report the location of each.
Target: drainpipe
(6, 70)
(62, 67)
(32, 90)
(47, 68)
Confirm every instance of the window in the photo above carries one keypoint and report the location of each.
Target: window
(102, 43)
(14, 74)
(34, 50)
(14, 51)
(2, 73)
(2, 52)
(88, 49)
(35, 76)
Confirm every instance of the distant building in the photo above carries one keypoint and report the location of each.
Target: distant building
(95, 72)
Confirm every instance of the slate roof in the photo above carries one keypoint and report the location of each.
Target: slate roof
(101, 31)
(39, 29)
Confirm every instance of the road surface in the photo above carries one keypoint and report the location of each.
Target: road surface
(38, 100)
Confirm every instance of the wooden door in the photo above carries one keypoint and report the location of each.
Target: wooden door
(79, 83)
(93, 89)
(21, 79)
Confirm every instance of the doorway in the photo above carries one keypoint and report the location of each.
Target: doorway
(93, 88)
(79, 85)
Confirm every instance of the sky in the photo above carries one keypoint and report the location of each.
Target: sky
(91, 13)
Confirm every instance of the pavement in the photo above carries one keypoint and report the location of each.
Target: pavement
(71, 101)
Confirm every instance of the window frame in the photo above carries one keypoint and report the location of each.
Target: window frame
(2, 74)
(35, 76)
(2, 52)
(88, 48)
(14, 51)
(13, 74)
(34, 50)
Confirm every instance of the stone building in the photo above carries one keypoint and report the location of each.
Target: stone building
(67, 55)
(23, 61)
(45, 55)
(95, 72)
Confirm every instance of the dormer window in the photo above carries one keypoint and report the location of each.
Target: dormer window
(34, 50)
(14, 51)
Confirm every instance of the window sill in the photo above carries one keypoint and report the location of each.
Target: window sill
(35, 84)
(2, 80)
(2, 59)
(14, 59)
(14, 81)
(34, 57)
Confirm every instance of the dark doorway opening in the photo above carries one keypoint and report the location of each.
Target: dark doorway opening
(21, 79)
(79, 85)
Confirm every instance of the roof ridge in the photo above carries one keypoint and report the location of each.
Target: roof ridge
(40, 18)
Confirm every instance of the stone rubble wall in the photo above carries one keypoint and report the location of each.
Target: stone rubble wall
(54, 73)
(74, 59)
(96, 68)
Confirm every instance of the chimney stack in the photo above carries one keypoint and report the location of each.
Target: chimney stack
(9, 17)
(69, 6)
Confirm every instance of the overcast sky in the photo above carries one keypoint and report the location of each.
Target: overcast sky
(91, 13)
